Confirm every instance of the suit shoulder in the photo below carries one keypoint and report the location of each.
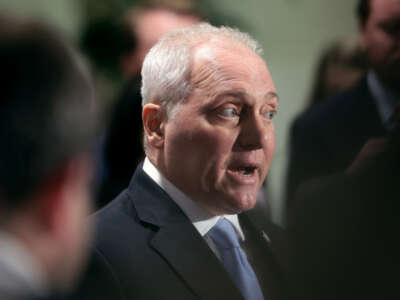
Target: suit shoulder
(99, 280)
(338, 107)
(119, 230)
(120, 209)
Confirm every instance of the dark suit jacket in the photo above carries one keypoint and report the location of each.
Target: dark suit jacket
(55, 297)
(146, 248)
(345, 231)
(326, 138)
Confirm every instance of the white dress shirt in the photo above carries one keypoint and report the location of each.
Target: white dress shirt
(385, 100)
(20, 274)
(202, 220)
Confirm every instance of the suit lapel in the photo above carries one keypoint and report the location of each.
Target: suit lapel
(187, 253)
(272, 238)
(264, 254)
(179, 243)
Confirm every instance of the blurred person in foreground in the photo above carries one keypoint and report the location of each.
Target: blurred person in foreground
(123, 149)
(183, 227)
(46, 129)
(344, 228)
(327, 138)
(344, 225)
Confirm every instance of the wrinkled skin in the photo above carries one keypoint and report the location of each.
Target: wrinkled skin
(219, 144)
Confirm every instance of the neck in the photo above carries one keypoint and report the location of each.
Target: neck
(35, 241)
(20, 233)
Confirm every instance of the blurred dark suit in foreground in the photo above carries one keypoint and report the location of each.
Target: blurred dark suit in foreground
(345, 230)
(327, 138)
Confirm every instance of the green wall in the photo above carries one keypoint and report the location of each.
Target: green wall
(66, 15)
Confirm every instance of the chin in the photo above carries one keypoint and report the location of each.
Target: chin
(241, 204)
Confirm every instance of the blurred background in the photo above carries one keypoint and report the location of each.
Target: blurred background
(293, 33)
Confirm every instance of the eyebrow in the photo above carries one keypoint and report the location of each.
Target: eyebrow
(271, 95)
(242, 94)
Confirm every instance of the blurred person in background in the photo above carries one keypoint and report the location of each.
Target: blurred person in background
(344, 225)
(327, 137)
(339, 68)
(148, 22)
(344, 228)
(47, 124)
(123, 149)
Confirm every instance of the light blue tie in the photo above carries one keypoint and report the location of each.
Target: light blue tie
(234, 259)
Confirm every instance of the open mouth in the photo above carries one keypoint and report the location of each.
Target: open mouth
(245, 170)
(243, 173)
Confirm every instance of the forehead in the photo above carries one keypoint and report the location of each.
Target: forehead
(384, 9)
(220, 64)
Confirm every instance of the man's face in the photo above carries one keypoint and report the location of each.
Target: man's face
(381, 39)
(219, 144)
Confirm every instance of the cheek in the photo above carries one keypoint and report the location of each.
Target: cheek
(271, 144)
(203, 143)
(378, 44)
(218, 151)
(269, 149)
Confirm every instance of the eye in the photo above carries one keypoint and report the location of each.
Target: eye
(229, 112)
(391, 28)
(269, 115)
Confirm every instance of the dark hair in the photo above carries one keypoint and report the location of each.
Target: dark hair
(346, 54)
(46, 109)
(104, 41)
(363, 10)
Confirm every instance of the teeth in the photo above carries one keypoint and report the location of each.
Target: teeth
(246, 170)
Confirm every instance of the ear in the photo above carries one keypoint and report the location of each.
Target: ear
(153, 124)
(58, 194)
(361, 39)
(50, 200)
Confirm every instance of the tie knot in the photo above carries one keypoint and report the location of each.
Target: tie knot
(224, 235)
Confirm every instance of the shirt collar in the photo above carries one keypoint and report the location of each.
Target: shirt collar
(202, 220)
(24, 274)
(385, 99)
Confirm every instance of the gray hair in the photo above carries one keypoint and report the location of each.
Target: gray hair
(167, 67)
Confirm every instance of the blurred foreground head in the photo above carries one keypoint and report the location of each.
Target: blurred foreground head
(47, 124)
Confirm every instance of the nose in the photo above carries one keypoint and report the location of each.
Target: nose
(254, 133)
